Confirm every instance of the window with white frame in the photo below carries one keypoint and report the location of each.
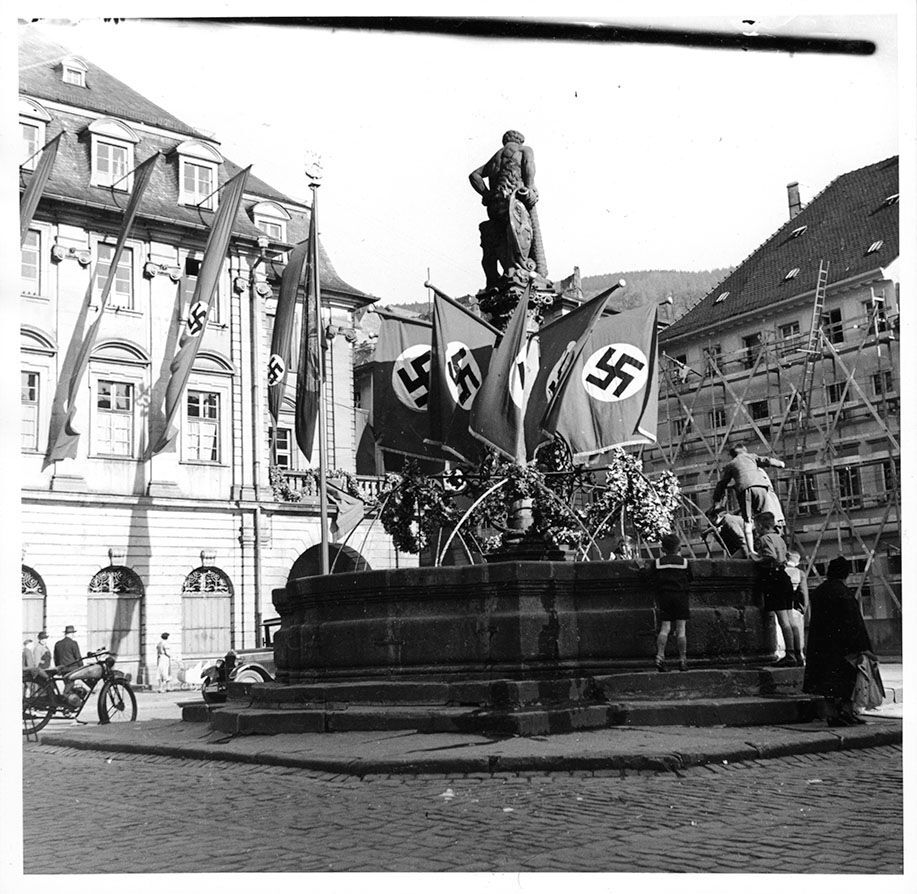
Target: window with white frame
(883, 383)
(31, 143)
(112, 152)
(198, 164)
(31, 263)
(33, 121)
(283, 447)
(203, 427)
(789, 337)
(30, 385)
(122, 287)
(880, 320)
(271, 228)
(114, 429)
(110, 164)
(848, 483)
(197, 184)
(271, 218)
(74, 75)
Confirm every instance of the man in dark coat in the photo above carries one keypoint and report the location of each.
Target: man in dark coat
(67, 655)
(836, 630)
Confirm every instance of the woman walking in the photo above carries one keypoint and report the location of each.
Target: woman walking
(836, 630)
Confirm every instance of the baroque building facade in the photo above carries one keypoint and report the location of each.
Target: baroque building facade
(191, 540)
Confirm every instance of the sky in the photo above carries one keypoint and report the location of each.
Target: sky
(648, 157)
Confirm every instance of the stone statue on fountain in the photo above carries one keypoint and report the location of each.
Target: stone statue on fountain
(512, 251)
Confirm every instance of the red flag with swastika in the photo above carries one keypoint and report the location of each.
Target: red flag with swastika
(401, 387)
(498, 411)
(560, 343)
(610, 397)
(461, 349)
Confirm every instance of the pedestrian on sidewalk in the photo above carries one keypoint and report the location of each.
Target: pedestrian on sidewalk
(163, 663)
(775, 586)
(800, 596)
(743, 472)
(836, 630)
(672, 575)
(40, 651)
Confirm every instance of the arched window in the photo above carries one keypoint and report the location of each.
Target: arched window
(113, 617)
(34, 601)
(206, 613)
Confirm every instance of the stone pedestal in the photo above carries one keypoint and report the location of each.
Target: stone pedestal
(515, 619)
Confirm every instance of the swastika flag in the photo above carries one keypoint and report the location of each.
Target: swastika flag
(610, 396)
(560, 344)
(462, 345)
(401, 387)
(497, 413)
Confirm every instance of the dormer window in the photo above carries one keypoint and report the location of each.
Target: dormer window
(791, 274)
(73, 71)
(198, 167)
(33, 120)
(721, 297)
(112, 148)
(875, 246)
(271, 219)
(798, 232)
(891, 200)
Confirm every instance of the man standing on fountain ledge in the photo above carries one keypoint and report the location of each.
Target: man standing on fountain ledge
(743, 471)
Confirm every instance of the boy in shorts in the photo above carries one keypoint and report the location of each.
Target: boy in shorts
(672, 576)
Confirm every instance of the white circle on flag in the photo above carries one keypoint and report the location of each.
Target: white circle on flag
(411, 377)
(463, 375)
(518, 375)
(558, 370)
(615, 372)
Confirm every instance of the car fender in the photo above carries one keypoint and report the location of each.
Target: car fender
(248, 669)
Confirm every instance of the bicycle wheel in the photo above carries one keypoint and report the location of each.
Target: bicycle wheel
(117, 702)
(37, 706)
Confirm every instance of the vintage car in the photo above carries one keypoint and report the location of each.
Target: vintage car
(240, 666)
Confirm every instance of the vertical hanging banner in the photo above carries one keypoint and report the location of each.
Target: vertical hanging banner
(196, 324)
(308, 373)
(278, 365)
(401, 387)
(498, 411)
(64, 436)
(560, 344)
(610, 396)
(29, 200)
(461, 351)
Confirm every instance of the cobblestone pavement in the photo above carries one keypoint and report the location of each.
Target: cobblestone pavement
(838, 812)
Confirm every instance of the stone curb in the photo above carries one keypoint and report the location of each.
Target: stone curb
(806, 743)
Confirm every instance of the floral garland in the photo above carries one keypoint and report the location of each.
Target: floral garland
(284, 492)
(414, 508)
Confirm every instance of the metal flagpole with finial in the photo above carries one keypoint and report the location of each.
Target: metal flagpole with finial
(314, 176)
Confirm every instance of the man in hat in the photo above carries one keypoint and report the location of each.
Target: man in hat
(27, 658)
(67, 654)
(40, 651)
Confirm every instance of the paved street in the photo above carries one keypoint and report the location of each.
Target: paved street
(834, 812)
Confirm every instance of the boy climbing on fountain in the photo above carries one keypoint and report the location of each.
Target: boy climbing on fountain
(672, 577)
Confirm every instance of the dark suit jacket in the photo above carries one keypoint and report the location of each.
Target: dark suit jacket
(67, 652)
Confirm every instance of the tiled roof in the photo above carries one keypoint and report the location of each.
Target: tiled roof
(841, 223)
(40, 77)
(69, 181)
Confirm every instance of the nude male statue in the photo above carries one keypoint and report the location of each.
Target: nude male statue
(510, 169)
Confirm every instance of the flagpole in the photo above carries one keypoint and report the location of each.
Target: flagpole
(314, 173)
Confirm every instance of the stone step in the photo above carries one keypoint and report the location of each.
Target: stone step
(692, 684)
(523, 721)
